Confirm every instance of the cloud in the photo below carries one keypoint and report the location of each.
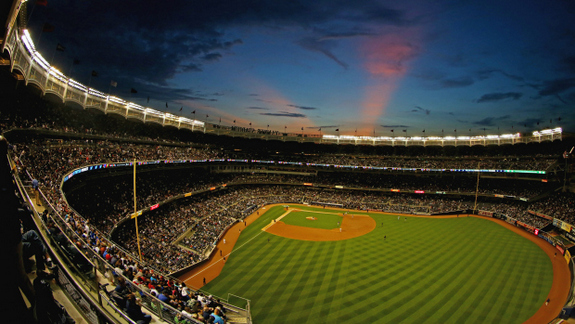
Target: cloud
(497, 96)
(394, 126)
(257, 108)
(490, 121)
(322, 46)
(156, 41)
(456, 83)
(303, 107)
(163, 94)
(419, 109)
(568, 63)
(486, 73)
(284, 114)
(388, 55)
(439, 80)
(556, 87)
(210, 57)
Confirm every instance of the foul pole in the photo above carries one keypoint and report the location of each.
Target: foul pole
(477, 187)
(136, 215)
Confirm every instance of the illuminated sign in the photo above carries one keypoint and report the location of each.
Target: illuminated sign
(154, 206)
(419, 191)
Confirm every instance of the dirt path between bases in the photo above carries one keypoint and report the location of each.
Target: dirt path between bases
(546, 313)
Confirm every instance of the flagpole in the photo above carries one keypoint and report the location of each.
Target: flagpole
(53, 54)
(40, 36)
(70, 71)
(31, 12)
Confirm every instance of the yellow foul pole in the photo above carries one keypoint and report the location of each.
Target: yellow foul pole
(135, 215)
(477, 187)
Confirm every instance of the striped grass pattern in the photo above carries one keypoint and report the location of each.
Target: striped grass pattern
(457, 270)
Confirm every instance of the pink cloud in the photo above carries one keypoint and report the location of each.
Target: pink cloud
(386, 59)
(388, 55)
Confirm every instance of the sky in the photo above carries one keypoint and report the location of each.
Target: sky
(415, 68)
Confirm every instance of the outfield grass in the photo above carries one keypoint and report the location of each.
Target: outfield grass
(323, 220)
(458, 270)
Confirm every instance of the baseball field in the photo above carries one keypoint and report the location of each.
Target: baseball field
(379, 268)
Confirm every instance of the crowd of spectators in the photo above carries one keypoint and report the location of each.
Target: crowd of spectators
(559, 205)
(107, 201)
(536, 162)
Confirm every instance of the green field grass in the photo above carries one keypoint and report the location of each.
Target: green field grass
(323, 220)
(458, 270)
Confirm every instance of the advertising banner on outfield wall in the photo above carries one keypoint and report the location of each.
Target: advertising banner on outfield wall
(558, 247)
(546, 237)
(540, 215)
(526, 227)
(567, 256)
(485, 213)
(570, 236)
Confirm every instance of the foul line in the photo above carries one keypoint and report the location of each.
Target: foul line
(227, 255)
(273, 221)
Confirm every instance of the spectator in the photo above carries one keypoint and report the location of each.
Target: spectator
(134, 310)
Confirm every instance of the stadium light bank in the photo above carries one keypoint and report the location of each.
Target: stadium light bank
(538, 136)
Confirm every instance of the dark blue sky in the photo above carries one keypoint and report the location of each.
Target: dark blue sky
(367, 65)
